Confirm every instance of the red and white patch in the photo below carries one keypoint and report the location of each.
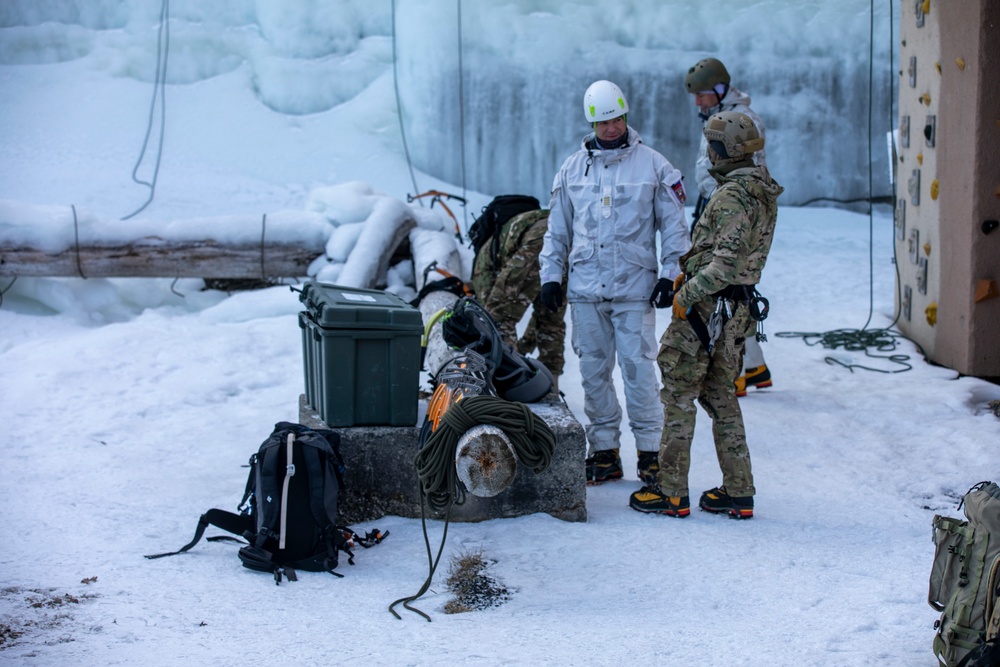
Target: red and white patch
(678, 189)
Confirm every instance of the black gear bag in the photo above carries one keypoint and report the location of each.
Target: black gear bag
(515, 378)
(288, 512)
(495, 214)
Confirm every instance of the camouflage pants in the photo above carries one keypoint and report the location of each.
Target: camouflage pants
(689, 374)
(515, 288)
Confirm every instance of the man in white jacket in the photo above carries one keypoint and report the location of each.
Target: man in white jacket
(609, 200)
(710, 83)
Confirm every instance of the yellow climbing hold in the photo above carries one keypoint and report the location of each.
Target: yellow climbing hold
(926, 7)
(926, 99)
(937, 66)
(920, 158)
(934, 189)
(927, 249)
(931, 313)
(960, 62)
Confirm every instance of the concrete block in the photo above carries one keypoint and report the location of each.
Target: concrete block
(381, 478)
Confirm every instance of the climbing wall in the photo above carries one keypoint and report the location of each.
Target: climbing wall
(948, 182)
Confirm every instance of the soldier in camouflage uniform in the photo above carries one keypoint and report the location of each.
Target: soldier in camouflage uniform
(507, 289)
(709, 81)
(730, 243)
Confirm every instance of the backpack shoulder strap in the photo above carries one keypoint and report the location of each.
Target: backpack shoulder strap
(237, 524)
(267, 490)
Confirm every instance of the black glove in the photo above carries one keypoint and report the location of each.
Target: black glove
(663, 293)
(552, 296)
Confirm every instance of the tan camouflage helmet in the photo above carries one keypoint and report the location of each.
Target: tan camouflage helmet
(705, 75)
(736, 132)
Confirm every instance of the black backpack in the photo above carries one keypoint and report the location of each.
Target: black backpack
(515, 378)
(496, 213)
(288, 512)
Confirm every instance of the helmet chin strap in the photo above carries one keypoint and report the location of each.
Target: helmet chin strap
(720, 90)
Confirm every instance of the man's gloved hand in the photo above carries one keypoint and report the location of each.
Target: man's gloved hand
(680, 312)
(552, 296)
(663, 294)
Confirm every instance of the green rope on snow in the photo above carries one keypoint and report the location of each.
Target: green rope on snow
(533, 442)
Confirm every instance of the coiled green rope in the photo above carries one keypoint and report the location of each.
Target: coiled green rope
(532, 439)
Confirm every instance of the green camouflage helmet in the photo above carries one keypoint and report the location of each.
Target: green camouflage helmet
(736, 131)
(705, 75)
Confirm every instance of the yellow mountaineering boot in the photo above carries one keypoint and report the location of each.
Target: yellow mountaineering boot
(651, 499)
(758, 376)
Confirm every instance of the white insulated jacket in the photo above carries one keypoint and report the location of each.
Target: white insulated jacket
(605, 211)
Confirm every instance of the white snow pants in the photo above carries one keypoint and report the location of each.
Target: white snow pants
(600, 331)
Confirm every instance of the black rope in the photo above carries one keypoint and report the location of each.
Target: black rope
(864, 339)
(159, 90)
(76, 235)
(858, 340)
(399, 105)
(432, 561)
(856, 200)
(172, 285)
(6, 289)
(461, 106)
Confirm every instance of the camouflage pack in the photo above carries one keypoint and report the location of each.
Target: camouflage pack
(965, 581)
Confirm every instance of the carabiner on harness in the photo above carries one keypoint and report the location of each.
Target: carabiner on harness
(717, 322)
(759, 309)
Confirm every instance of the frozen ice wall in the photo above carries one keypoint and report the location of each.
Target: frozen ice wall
(525, 66)
(491, 93)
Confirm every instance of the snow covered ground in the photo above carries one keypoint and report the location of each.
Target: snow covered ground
(131, 406)
(117, 436)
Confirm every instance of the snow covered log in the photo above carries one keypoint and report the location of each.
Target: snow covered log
(433, 252)
(65, 241)
(385, 229)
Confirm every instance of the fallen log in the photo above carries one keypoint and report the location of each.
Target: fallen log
(152, 257)
(485, 460)
(59, 241)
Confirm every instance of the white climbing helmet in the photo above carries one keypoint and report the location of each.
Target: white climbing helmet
(604, 101)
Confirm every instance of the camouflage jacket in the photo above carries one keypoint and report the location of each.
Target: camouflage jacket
(731, 240)
(520, 241)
